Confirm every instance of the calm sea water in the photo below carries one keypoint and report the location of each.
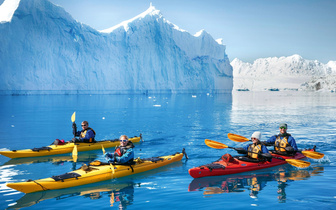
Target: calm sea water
(169, 123)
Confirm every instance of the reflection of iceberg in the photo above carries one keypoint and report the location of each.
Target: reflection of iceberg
(122, 192)
(251, 182)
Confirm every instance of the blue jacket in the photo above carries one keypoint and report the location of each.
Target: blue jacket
(90, 134)
(290, 140)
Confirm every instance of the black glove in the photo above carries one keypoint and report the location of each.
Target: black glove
(241, 150)
(74, 140)
(74, 128)
(289, 149)
(266, 156)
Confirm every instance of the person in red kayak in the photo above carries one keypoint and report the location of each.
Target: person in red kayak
(254, 150)
(284, 143)
(124, 153)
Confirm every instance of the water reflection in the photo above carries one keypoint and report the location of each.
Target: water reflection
(56, 160)
(121, 194)
(253, 183)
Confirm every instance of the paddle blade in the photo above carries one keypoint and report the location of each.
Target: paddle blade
(75, 153)
(73, 117)
(298, 163)
(215, 144)
(103, 149)
(237, 138)
(313, 154)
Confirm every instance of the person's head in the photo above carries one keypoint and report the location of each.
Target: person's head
(85, 125)
(256, 136)
(283, 128)
(123, 140)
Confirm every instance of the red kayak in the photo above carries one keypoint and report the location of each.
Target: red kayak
(233, 165)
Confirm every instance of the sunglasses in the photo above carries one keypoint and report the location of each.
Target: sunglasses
(84, 125)
(283, 128)
(123, 140)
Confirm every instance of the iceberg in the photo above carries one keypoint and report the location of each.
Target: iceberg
(284, 73)
(45, 51)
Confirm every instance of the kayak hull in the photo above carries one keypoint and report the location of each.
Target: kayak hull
(63, 149)
(95, 174)
(222, 167)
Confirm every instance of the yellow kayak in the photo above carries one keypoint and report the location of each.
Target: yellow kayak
(95, 172)
(65, 148)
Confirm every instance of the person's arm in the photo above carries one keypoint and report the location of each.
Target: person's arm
(265, 153)
(291, 141)
(109, 156)
(246, 147)
(74, 129)
(129, 154)
(271, 140)
(264, 149)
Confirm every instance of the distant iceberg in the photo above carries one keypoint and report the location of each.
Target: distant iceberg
(284, 73)
(45, 51)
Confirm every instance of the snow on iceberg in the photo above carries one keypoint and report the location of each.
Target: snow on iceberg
(44, 50)
(284, 73)
(7, 9)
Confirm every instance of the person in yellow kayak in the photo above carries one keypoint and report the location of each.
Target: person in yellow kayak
(124, 153)
(255, 151)
(284, 143)
(86, 135)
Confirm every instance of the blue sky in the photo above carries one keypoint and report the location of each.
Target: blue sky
(250, 29)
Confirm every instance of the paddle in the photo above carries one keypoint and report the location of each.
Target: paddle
(74, 151)
(309, 154)
(112, 166)
(294, 162)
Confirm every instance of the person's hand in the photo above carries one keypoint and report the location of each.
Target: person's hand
(108, 155)
(74, 140)
(289, 149)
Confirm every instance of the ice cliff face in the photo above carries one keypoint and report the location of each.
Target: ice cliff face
(44, 50)
(284, 73)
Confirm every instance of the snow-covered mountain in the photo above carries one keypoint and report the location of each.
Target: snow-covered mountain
(284, 73)
(44, 50)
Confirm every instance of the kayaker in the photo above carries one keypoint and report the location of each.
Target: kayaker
(284, 143)
(86, 135)
(255, 149)
(124, 153)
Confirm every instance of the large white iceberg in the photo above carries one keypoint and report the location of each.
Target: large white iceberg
(284, 73)
(44, 50)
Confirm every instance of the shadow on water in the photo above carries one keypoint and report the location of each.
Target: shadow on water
(254, 183)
